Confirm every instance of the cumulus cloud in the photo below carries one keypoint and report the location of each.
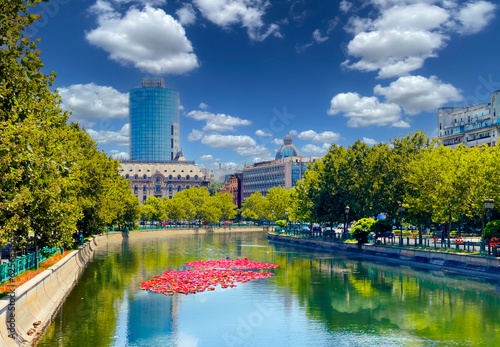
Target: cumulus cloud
(120, 138)
(228, 141)
(475, 16)
(242, 144)
(207, 157)
(218, 122)
(417, 93)
(313, 149)
(119, 155)
(195, 135)
(203, 106)
(247, 13)
(262, 133)
(278, 142)
(401, 124)
(326, 136)
(186, 14)
(364, 111)
(150, 40)
(90, 101)
(293, 132)
(399, 41)
(369, 142)
(145, 2)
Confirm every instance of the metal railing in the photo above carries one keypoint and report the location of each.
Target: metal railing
(25, 262)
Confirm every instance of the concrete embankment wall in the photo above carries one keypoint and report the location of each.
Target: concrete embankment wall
(39, 299)
(463, 264)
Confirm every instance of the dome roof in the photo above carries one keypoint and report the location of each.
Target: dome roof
(288, 149)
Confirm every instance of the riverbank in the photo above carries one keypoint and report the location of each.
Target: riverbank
(456, 263)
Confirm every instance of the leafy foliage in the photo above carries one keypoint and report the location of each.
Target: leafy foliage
(492, 229)
(362, 229)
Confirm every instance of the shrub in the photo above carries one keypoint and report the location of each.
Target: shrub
(492, 229)
(281, 223)
(361, 229)
(453, 233)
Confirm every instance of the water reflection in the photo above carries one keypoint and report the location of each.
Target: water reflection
(315, 298)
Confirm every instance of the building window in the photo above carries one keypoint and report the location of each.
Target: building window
(170, 177)
(170, 188)
(158, 179)
(171, 130)
(158, 189)
(136, 176)
(145, 176)
(196, 177)
(136, 188)
(144, 188)
(178, 188)
(179, 177)
(126, 176)
(144, 198)
(187, 177)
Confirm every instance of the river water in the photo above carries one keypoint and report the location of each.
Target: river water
(314, 299)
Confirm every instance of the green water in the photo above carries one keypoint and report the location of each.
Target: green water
(315, 299)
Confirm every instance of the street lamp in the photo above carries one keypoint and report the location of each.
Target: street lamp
(346, 211)
(401, 211)
(488, 205)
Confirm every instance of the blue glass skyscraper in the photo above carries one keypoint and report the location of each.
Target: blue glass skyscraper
(154, 122)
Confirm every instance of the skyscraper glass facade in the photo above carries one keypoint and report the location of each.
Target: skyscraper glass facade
(154, 122)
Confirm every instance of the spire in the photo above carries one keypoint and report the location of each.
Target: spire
(288, 139)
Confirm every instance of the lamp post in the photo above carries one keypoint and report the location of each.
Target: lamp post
(401, 211)
(346, 211)
(286, 215)
(488, 206)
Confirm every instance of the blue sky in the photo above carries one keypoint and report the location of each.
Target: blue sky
(249, 71)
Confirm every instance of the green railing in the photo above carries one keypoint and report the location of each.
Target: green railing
(25, 262)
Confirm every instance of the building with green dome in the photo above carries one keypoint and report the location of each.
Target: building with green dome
(285, 171)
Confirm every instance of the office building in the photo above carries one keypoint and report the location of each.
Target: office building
(472, 125)
(285, 171)
(154, 122)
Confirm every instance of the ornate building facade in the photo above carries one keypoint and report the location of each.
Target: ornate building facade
(162, 179)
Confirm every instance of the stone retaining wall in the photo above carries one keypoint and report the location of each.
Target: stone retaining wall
(463, 264)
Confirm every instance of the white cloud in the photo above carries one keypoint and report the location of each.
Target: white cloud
(218, 122)
(417, 93)
(150, 40)
(317, 36)
(120, 138)
(364, 111)
(313, 149)
(262, 133)
(345, 6)
(399, 41)
(120, 155)
(186, 14)
(195, 135)
(475, 16)
(248, 13)
(203, 106)
(293, 132)
(90, 101)
(145, 2)
(256, 151)
(326, 136)
(278, 142)
(228, 141)
(369, 142)
(207, 157)
(401, 124)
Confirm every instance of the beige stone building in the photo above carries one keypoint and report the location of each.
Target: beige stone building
(162, 179)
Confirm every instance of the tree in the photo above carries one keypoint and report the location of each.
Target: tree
(279, 200)
(256, 207)
(362, 229)
(224, 202)
(214, 187)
